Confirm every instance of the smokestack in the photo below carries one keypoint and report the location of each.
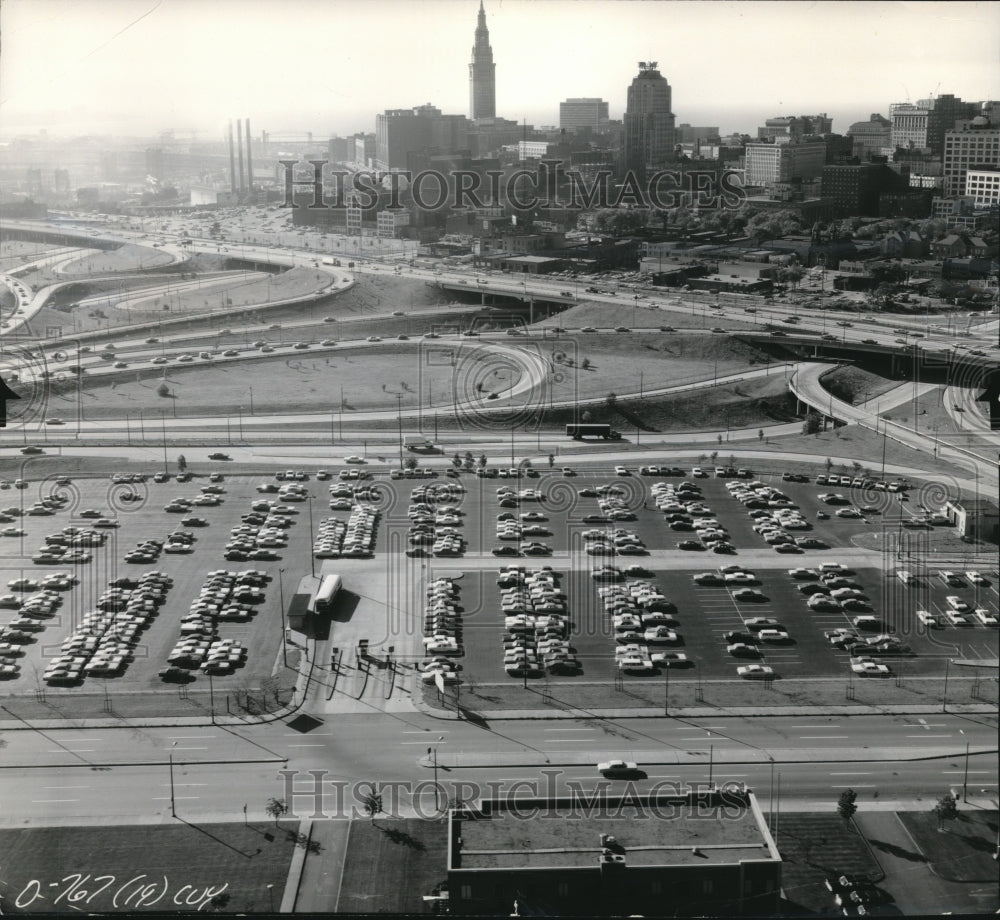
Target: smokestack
(249, 160)
(232, 160)
(239, 152)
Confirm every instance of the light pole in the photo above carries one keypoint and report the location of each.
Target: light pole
(312, 555)
(965, 779)
(666, 689)
(173, 809)
(944, 695)
(432, 752)
(399, 420)
(281, 602)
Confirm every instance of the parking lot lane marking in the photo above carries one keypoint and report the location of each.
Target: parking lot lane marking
(572, 729)
(970, 773)
(166, 798)
(849, 773)
(311, 734)
(440, 731)
(560, 740)
(822, 727)
(167, 785)
(732, 774)
(65, 787)
(422, 742)
(824, 737)
(51, 801)
(856, 786)
(190, 737)
(307, 745)
(929, 736)
(190, 749)
(71, 750)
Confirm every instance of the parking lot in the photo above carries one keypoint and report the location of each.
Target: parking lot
(467, 510)
(703, 615)
(135, 522)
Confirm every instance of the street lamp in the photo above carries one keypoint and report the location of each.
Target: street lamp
(433, 754)
(399, 420)
(173, 809)
(281, 602)
(312, 555)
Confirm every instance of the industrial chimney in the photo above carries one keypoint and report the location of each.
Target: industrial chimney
(232, 160)
(249, 160)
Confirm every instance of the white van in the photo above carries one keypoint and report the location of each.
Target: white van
(956, 603)
(905, 577)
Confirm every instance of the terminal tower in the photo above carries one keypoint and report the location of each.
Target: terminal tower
(482, 73)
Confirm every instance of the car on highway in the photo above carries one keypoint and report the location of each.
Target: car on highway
(54, 421)
(218, 455)
(613, 768)
(32, 449)
(755, 672)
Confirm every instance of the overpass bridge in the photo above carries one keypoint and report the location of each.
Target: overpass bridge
(508, 290)
(914, 360)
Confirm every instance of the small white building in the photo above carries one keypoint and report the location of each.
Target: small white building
(975, 518)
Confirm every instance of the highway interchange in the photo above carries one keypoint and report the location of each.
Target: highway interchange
(63, 773)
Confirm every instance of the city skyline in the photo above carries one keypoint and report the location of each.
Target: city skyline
(140, 68)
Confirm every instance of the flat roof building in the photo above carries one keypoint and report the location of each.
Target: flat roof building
(704, 852)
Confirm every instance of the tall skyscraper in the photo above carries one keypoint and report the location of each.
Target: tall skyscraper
(648, 122)
(482, 73)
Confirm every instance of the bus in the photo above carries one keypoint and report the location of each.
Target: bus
(326, 593)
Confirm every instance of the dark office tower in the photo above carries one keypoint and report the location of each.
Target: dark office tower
(482, 73)
(648, 122)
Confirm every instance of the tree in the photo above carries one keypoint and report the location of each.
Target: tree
(846, 804)
(456, 461)
(812, 424)
(552, 461)
(410, 463)
(181, 462)
(829, 464)
(163, 390)
(760, 434)
(718, 439)
(585, 363)
(372, 801)
(482, 461)
(946, 810)
(714, 456)
(276, 808)
(611, 400)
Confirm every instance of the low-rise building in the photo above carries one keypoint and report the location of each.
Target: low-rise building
(708, 853)
(974, 518)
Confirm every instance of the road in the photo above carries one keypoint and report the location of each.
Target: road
(806, 385)
(63, 775)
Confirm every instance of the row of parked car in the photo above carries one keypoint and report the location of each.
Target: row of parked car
(433, 524)
(225, 596)
(103, 644)
(442, 631)
(69, 546)
(644, 622)
(684, 510)
(536, 623)
(775, 516)
(261, 532)
(32, 612)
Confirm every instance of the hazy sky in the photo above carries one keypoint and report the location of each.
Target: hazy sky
(328, 66)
